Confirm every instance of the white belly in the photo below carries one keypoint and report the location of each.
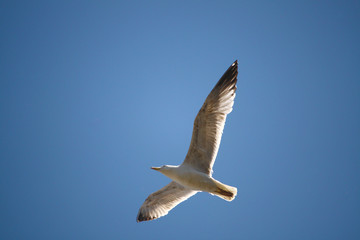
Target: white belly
(193, 179)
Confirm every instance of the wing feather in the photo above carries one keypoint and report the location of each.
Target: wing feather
(209, 122)
(159, 203)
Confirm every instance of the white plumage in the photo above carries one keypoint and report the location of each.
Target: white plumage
(195, 173)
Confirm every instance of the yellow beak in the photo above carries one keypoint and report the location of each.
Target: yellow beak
(155, 168)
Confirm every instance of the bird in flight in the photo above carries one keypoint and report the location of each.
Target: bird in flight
(195, 173)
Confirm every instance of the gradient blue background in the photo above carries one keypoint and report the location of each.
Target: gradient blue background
(94, 93)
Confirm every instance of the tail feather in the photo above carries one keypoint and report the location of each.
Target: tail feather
(225, 191)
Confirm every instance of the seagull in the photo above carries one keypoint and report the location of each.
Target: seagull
(195, 173)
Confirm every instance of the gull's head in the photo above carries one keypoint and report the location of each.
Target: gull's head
(167, 170)
(164, 168)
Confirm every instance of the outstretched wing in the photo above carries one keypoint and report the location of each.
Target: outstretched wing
(159, 203)
(210, 121)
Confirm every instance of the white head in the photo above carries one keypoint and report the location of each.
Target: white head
(164, 169)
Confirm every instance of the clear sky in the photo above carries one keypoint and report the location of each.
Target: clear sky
(94, 93)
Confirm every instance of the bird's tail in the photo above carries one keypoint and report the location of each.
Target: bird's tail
(224, 191)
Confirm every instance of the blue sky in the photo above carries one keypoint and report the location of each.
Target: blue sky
(94, 93)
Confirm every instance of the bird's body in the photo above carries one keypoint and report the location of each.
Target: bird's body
(198, 181)
(195, 173)
(189, 177)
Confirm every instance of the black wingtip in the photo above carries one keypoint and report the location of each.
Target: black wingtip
(232, 69)
(229, 77)
(141, 218)
(233, 66)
